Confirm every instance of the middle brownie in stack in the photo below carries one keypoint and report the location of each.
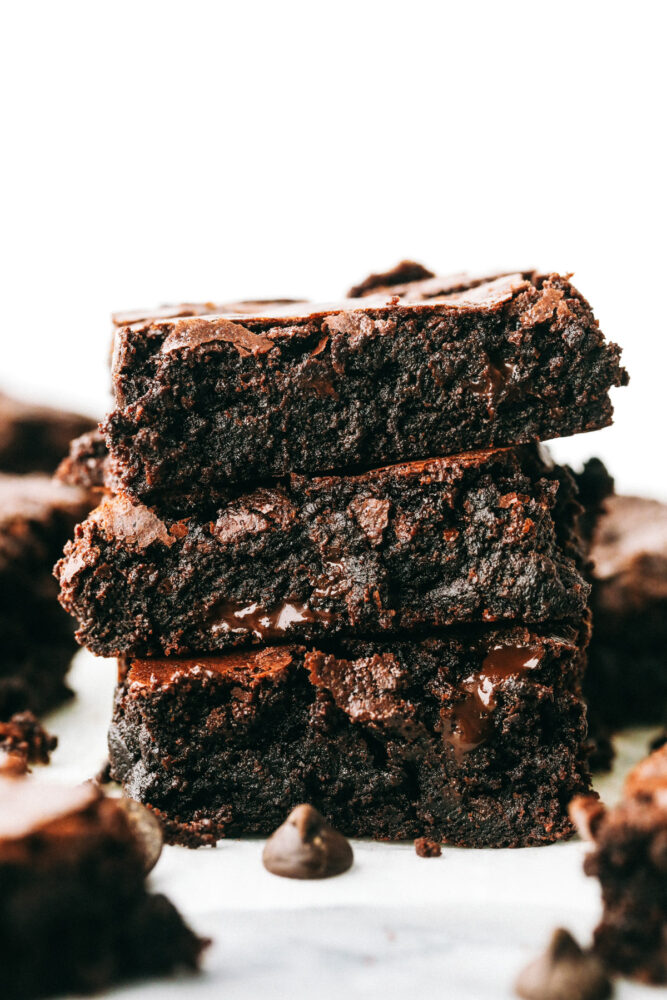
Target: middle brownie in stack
(402, 647)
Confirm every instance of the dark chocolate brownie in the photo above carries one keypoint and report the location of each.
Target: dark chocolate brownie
(75, 915)
(34, 438)
(36, 517)
(630, 860)
(475, 736)
(204, 401)
(477, 537)
(626, 682)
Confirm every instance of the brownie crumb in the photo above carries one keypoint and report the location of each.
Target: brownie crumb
(24, 735)
(306, 846)
(564, 971)
(427, 848)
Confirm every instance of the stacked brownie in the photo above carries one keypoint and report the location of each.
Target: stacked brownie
(335, 567)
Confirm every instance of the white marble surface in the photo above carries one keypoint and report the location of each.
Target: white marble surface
(396, 926)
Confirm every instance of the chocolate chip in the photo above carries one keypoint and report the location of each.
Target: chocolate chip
(305, 846)
(564, 972)
(427, 848)
(147, 830)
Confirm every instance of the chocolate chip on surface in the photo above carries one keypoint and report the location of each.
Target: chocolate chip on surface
(147, 831)
(306, 846)
(564, 972)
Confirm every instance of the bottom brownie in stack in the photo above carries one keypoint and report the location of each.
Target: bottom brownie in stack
(476, 736)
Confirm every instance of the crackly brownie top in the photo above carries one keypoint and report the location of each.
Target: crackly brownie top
(459, 292)
(190, 309)
(35, 498)
(631, 543)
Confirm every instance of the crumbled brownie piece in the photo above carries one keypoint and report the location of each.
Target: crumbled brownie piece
(34, 438)
(630, 860)
(427, 848)
(475, 737)
(75, 915)
(206, 401)
(305, 846)
(36, 517)
(403, 273)
(626, 682)
(86, 463)
(564, 972)
(475, 537)
(24, 734)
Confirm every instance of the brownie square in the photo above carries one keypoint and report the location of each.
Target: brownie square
(476, 736)
(431, 368)
(75, 914)
(476, 537)
(630, 860)
(626, 680)
(34, 438)
(36, 517)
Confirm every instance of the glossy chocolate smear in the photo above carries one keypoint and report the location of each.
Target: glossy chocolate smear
(263, 623)
(564, 972)
(306, 846)
(493, 384)
(468, 724)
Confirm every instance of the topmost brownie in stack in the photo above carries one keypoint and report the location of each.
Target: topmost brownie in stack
(204, 403)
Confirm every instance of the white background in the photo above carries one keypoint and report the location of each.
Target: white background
(166, 151)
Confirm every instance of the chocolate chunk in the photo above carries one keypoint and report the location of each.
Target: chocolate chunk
(147, 831)
(564, 972)
(427, 848)
(305, 846)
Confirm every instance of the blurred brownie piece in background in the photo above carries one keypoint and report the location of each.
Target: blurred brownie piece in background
(37, 515)
(75, 913)
(35, 438)
(626, 682)
(630, 860)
